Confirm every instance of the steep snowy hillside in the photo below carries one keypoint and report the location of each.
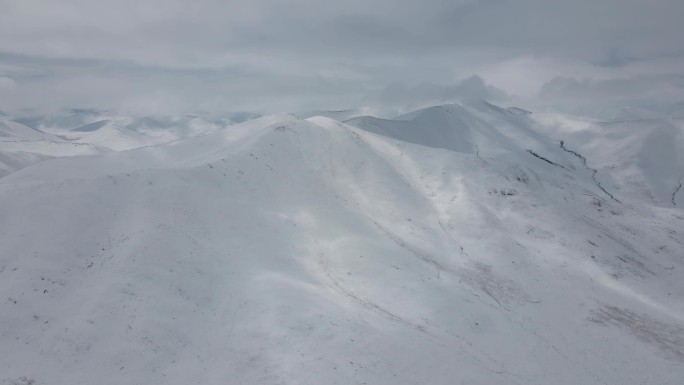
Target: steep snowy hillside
(452, 245)
(639, 160)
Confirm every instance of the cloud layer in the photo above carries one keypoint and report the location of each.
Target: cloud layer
(269, 55)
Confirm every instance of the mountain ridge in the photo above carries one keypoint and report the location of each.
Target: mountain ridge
(288, 250)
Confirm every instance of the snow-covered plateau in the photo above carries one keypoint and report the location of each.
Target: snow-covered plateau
(459, 244)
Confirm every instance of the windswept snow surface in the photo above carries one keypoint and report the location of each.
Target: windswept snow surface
(434, 248)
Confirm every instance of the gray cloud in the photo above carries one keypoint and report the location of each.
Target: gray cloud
(637, 88)
(645, 96)
(270, 55)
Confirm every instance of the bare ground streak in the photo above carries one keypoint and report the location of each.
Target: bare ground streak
(593, 170)
(668, 338)
(544, 159)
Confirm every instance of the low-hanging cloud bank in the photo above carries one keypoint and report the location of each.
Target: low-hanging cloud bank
(267, 55)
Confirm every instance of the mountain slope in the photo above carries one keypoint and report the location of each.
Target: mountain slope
(642, 160)
(88, 132)
(22, 146)
(111, 130)
(295, 251)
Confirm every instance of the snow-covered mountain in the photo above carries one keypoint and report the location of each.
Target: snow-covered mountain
(21, 146)
(118, 132)
(641, 160)
(26, 140)
(456, 244)
(340, 115)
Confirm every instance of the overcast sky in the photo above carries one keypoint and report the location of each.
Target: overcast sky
(165, 56)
